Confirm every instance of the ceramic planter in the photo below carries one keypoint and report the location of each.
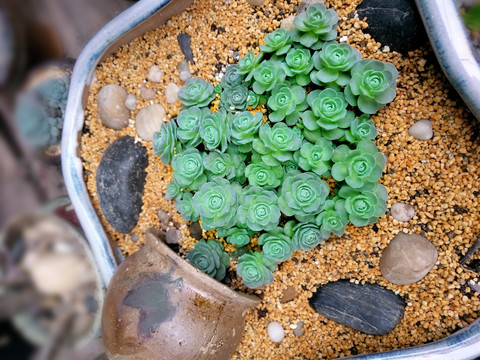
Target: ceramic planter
(145, 15)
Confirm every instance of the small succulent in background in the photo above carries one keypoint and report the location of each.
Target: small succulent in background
(234, 98)
(189, 122)
(248, 63)
(315, 157)
(278, 42)
(333, 218)
(306, 236)
(184, 205)
(210, 257)
(259, 209)
(238, 236)
(40, 111)
(266, 75)
(188, 169)
(276, 144)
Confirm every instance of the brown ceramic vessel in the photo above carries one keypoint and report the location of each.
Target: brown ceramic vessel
(159, 306)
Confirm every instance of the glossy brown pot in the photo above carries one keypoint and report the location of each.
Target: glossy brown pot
(159, 306)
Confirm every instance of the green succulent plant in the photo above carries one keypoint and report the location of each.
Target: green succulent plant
(364, 206)
(299, 64)
(361, 128)
(232, 77)
(278, 42)
(333, 218)
(303, 195)
(276, 144)
(165, 141)
(333, 64)
(266, 75)
(373, 85)
(258, 209)
(210, 258)
(234, 99)
(216, 202)
(248, 63)
(360, 166)
(214, 131)
(255, 269)
(244, 128)
(315, 157)
(189, 122)
(314, 26)
(286, 102)
(306, 236)
(276, 245)
(188, 170)
(220, 164)
(263, 175)
(238, 236)
(173, 190)
(196, 92)
(184, 205)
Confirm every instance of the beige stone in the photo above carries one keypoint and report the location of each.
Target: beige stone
(111, 106)
(149, 120)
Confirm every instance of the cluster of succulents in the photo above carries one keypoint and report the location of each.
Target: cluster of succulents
(260, 178)
(40, 111)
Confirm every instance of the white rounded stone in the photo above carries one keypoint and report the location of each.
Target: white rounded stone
(421, 130)
(131, 102)
(111, 106)
(275, 331)
(402, 212)
(149, 120)
(184, 75)
(154, 74)
(287, 23)
(171, 92)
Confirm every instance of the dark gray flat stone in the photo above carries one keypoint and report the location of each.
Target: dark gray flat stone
(120, 182)
(395, 23)
(184, 40)
(368, 308)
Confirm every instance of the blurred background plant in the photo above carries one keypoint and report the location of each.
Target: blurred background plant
(470, 10)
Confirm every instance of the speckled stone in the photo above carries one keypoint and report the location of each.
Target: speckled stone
(120, 181)
(111, 106)
(402, 212)
(407, 258)
(149, 120)
(368, 308)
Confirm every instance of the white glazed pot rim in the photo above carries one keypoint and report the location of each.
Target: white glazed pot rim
(464, 344)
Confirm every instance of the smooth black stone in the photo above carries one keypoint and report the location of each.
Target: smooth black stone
(395, 23)
(368, 308)
(120, 182)
(184, 41)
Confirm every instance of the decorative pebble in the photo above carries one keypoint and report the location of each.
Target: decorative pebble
(173, 236)
(171, 92)
(149, 120)
(368, 308)
(185, 75)
(287, 23)
(195, 230)
(131, 102)
(256, 2)
(184, 70)
(402, 212)
(111, 106)
(146, 93)
(120, 179)
(184, 40)
(298, 328)
(421, 130)
(275, 331)
(288, 294)
(395, 23)
(154, 74)
(407, 258)
(163, 216)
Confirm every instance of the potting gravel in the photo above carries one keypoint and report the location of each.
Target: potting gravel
(439, 177)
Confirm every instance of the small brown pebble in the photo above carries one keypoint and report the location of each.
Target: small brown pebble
(173, 236)
(195, 230)
(146, 93)
(288, 294)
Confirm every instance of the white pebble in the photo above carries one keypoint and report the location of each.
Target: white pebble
(131, 102)
(421, 130)
(287, 23)
(154, 74)
(402, 212)
(275, 331)
(149, 120)
(386, 49)
(171, 92)
(343, 39)
(255, 2)
(183, 66)
(184, 75)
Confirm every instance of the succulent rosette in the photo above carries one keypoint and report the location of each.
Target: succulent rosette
(232, 77)
(214, 131)
(373, 85)
(333, 63)
(276, 144)
(278, 42)
(290, 166)
(210, 258)
(244, 128)
(165, 141)
(184, 205)
(216, 202)
(364, 206)
(306, 236)
(276, 245)
(266, 75)
(196, 92)
(263, 175)
(298, 65)
(303, 195)
(360, 166)
(173, 190)
(329, 111)
(258, 209)
(238, 237)
(255, 269)
(234, 99)
(188, 169)
(220, 165)
(333, 218)
(189, 121)
(315, 26)
(361, 128)
(315, 157)
(286, 102)
(248, 63)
